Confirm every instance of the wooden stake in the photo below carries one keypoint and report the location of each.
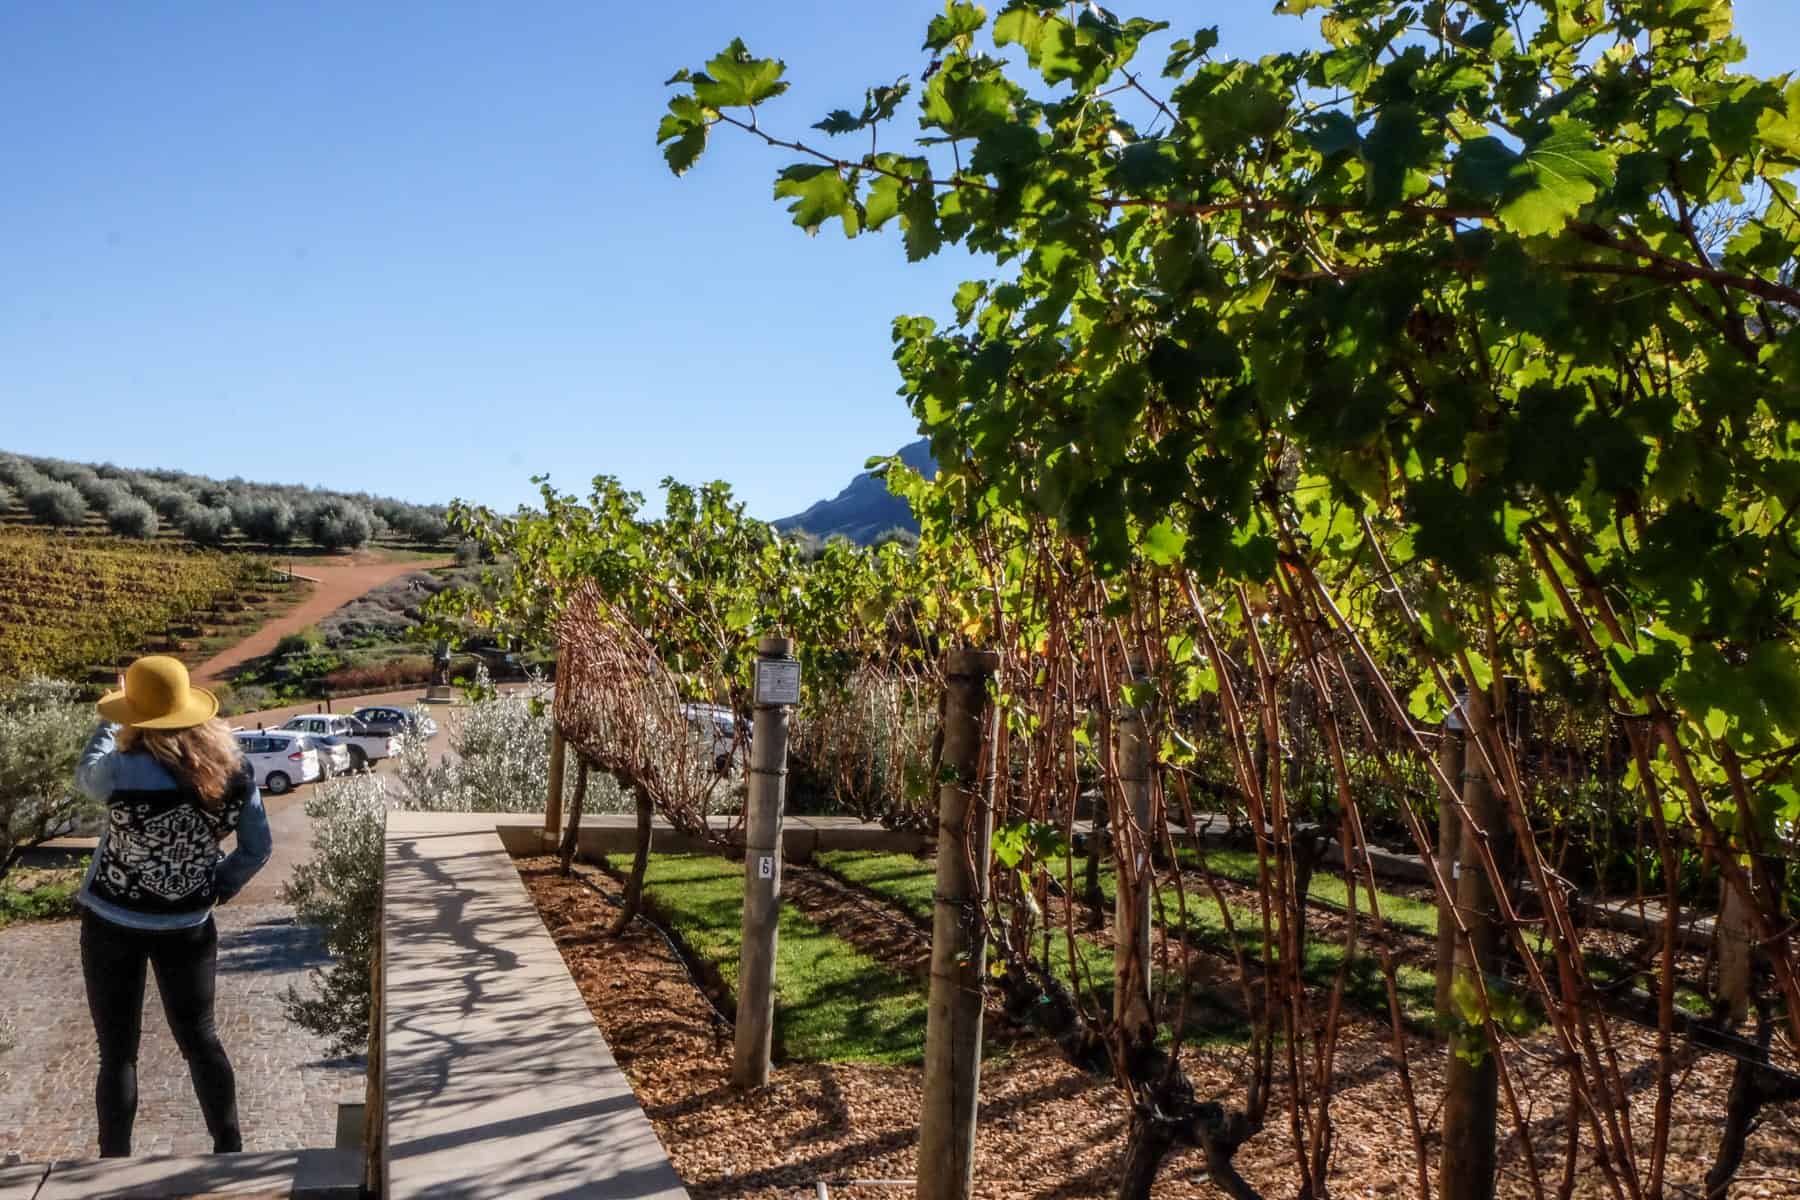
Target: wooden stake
(1448, 849)
(1472, 1089)
(1134, 846)
(553, 802)
(1736, 957)
(958, 941)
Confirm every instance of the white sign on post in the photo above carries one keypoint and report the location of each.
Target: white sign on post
(777, 681)
(765, 866)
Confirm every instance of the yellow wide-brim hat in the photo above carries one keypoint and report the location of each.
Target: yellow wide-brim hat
(157, 695)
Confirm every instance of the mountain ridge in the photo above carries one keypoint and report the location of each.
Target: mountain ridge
(864, 509)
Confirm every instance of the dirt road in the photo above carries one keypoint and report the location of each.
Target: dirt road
(341, 580)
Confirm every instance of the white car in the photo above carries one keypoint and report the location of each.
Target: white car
(718, 728)
(281, 760)
(364, 744)
(334, 755)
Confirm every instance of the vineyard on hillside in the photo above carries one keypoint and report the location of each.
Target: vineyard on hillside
(71, 607)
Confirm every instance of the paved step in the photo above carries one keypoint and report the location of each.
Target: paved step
(288, 1174)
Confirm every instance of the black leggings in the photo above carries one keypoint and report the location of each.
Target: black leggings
(112, 960)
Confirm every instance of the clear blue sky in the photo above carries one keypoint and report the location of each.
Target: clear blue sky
(431, 249)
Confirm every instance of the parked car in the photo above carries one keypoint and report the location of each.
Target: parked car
(718, 728)
(334, 755)
(281, 759)
(364, 744)
(397, 721)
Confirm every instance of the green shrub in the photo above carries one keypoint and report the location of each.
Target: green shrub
(58, 504)
(304, 641)
(102, 495)
(207, 526)
(42, 730)
(133, 518)
(173, 504)
(269, 520)
(339, 524)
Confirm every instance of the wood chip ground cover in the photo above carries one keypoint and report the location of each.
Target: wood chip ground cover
(1047, 1131)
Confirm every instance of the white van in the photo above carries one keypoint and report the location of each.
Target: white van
(281, 760)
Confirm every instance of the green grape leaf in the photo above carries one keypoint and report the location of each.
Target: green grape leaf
(837, 121)
(1048, 41)
(1162, 543)
(882, 203)
(1554, 177)
(919, 221)
(736, 78)
(819, 194)
(684, 131)
(958, 24)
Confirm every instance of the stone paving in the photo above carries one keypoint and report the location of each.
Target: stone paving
(288, 1081)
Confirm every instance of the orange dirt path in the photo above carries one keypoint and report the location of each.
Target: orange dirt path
(341, 580)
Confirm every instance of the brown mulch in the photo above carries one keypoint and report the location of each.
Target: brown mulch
(1047, 1131)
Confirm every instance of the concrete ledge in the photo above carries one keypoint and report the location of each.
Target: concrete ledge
(299, 1174)
(497, 1081)
(21, 1180)
(616, 833)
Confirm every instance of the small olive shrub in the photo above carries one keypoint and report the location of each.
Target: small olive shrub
(42, 729)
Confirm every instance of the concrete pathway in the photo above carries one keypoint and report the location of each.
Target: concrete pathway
(499, 1085)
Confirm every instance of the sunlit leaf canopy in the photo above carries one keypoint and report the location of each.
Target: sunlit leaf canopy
(1308, 396)
(1479, 319)
(1494, 285)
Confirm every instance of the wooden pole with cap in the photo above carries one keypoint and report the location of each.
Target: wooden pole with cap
(958, 937)
(777, 687)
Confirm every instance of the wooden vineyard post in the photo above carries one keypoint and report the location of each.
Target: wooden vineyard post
(554, 801)
(958, 939)
(1736, 951)
(1131, 915)
(1471, 1078)
(1449, 830)
(777, 687)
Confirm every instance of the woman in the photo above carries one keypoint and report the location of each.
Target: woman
(175, 785)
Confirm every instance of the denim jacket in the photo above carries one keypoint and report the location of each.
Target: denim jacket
(157, 865)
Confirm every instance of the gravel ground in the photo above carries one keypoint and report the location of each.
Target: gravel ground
(1048, 1132)
(288, 1085)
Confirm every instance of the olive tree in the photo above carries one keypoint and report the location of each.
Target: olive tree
(41, 732)
(131, 517)
(56, 503)
(339, 524)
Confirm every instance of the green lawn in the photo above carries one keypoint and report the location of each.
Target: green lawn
(907, 882)
(832, 1002)
(1404, 912)
(903, 880)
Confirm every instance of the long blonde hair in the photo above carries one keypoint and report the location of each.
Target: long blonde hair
(206, 756)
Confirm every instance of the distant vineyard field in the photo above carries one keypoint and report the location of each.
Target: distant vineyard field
(74, 606)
